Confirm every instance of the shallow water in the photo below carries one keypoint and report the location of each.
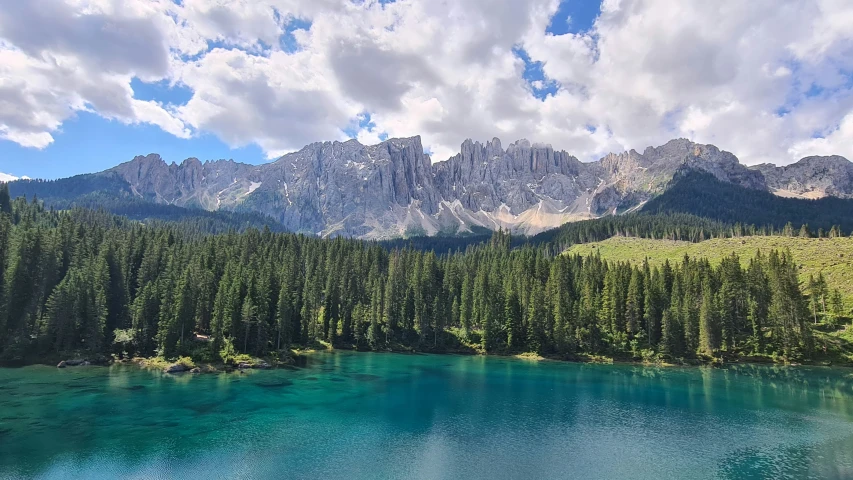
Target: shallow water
(363, 415)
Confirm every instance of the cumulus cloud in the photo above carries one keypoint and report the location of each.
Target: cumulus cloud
(58, 58)
(767, 81)
(838, 141)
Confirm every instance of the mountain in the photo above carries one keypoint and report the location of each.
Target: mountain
(698, 193)
(393, 189)
(811, 177)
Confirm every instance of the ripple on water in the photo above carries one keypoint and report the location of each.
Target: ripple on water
(406, 416)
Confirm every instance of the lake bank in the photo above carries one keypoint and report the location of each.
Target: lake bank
(297, 356)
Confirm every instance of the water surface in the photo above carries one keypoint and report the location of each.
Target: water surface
(363, 415)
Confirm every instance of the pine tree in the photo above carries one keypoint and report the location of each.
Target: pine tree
(512, 318)
(145, 312)
(634, 304)
(759, 301)
(465, 313)
(174, 328)
(708, 322)
(535, 320)
(733, 301)
(248, 317)
(652, 305)
(284, 316)
(835, 232)
(5, 200)
(672, 336)
(814, 297)
(837, 306)
(374, 332)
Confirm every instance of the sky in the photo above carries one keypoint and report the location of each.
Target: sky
(88, 84)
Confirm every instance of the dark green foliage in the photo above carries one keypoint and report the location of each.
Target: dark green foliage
(87, 281)
(110, 193)
(699, 193)
(66, 189)
(5, 199)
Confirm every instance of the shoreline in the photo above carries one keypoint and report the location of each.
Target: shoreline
(296, 358)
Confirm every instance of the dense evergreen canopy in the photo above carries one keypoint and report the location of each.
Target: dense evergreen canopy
(87, 281)
(700, 193)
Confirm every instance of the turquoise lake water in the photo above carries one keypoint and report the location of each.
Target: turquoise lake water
(362, 415)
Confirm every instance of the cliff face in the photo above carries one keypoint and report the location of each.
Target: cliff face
(811, 177)
(389, 189)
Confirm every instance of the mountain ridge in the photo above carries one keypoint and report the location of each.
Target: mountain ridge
(393, 188)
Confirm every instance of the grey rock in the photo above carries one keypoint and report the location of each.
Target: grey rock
(811, 177)
(393, 188)
(176, 368)
(61, 364)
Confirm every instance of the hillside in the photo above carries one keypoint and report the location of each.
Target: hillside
(111, 194)
(698, 193)
(832, 256)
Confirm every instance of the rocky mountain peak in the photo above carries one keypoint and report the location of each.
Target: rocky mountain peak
(811, 177)
(150, 158)
(388, 189)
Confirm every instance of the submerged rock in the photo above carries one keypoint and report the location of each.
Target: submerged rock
(176, 368)
(73, 363)
(261, 365)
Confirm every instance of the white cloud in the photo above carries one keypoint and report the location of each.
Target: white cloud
(839, 141)
(768, 81)
(58, 58)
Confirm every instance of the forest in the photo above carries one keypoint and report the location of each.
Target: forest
(91, 283)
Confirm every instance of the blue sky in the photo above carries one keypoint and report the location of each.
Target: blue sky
(87, 142)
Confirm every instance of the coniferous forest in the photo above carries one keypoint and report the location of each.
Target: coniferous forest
(92, 283)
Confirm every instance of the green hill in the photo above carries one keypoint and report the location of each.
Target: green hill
(831, 256)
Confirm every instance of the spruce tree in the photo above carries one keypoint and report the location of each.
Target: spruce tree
(512, 319)
(5, 200)
(708, 322)
(634, 304)
(535, 320)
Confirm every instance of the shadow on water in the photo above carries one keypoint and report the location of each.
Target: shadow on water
(274, 384)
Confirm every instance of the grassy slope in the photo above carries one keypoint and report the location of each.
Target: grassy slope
(815, 255)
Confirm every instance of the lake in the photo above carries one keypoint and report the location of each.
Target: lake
(373, 415)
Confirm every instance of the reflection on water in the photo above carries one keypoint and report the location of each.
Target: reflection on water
(353, 415)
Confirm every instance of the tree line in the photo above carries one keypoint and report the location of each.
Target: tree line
(87, 281)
